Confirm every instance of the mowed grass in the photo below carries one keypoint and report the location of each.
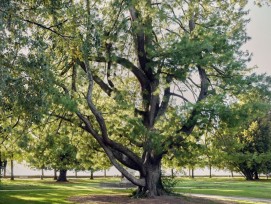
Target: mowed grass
(225, 187)
(47, 191)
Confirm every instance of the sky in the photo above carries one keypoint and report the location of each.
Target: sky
(259, 29)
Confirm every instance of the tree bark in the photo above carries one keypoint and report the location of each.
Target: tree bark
(11, 169)
(55, 174)
(256, 175)
(42, 174)
(210, 171)
(5, 172)
(104, 173)
(154, 186)
(91, 174)
(62, 175)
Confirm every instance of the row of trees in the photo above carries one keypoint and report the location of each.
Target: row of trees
(144, 79)
(246, 150)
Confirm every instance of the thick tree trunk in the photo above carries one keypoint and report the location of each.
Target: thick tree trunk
(256, 175)
(62, 175)
(154, 186)
(11, 170)
(248, 174)
(55, 174)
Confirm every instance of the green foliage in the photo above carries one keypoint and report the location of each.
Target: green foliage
(151, 80)
(169, 184)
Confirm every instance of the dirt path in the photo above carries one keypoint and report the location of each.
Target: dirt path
(186, 199)
(124, 199)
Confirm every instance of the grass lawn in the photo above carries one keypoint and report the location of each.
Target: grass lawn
(225, 187)
(48, 191)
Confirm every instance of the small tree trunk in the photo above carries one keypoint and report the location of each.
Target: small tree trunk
(105, 173)
(91, 174)
(55, 174)
(11, 170)
(5, 172)
(42, 174)
(62, 175)
(75, 173)
(172, 173)
(232, 174)
(210, 171)
(192, 171)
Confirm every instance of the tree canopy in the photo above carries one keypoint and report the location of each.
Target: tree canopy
(139, 77)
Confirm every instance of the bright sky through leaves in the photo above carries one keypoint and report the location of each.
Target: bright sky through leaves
(259, 29)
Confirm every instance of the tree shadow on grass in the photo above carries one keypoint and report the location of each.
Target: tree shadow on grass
(24, 197)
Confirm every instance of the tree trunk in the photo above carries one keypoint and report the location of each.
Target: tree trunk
(91, 174)
(75, 173)
(55, 174)
(248, 174)
(11, 170)
(42, 174)
(154, 186)
(105, 173)
(210, 171)
(62, 175)
(256, 175)
(192, 172)
(172, 173)
(5, 172)
(232, 174)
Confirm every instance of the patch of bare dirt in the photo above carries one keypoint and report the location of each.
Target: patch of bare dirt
(124, 199)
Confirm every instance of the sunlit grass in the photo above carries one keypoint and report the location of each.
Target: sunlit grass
(47, 191)
(226, 187)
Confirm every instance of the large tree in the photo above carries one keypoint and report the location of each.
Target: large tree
(139, 75)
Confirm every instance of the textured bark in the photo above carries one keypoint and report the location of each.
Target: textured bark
(153, 178)
(62, 175)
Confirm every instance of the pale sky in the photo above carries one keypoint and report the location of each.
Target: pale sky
(259, 29)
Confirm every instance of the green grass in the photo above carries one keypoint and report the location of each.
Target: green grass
(226, 187)
(46, 191)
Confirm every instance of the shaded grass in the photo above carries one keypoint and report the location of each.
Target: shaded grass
(225, 187)
(47, 191)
